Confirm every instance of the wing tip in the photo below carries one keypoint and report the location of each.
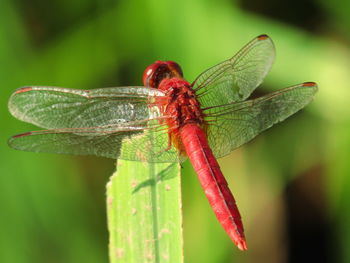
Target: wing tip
(263, 37)
(21, 135)
(310, 84)
(13, 142)
(23, 89)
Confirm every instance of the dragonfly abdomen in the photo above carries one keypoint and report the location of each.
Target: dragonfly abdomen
(213, 182)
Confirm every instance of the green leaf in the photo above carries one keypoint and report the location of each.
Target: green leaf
(144, 213)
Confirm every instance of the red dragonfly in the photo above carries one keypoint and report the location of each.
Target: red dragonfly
(166, 120)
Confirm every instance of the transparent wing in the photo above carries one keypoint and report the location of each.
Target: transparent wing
(231, 125)
(93, 122)
(142, 141)
(55, 108)
(235, 79)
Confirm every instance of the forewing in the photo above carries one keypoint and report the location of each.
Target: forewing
(142, 141)
(56, 108)
(93, 122)
(235, 79)
(232, 125)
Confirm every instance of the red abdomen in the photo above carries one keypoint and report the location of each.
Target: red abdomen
(213, 182)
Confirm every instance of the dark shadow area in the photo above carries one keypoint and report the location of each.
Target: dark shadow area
(311, 233)
(162, 176)
(47, 20)
(306, 14)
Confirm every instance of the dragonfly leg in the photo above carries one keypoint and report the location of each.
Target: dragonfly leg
(168, 147)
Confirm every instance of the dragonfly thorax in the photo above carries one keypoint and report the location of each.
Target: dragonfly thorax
(179, 107)
(180, 103)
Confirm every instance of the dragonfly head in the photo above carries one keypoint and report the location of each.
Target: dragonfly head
(160, 70)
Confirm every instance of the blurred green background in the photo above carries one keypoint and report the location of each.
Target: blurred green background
(291, 183)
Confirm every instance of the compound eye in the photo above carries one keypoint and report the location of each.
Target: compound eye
(147, 74)
(175, 68)
(160, 70)
(151, 74)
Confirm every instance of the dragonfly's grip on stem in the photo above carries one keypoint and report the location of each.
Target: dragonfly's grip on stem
(213, 182)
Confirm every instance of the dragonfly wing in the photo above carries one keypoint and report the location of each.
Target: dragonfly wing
(55, 108)
(236, 78)
(140, 143)
(232, 125)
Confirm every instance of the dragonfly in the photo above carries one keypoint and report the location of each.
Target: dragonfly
(167, 119)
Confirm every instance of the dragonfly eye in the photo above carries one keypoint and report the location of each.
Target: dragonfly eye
(160, 70)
